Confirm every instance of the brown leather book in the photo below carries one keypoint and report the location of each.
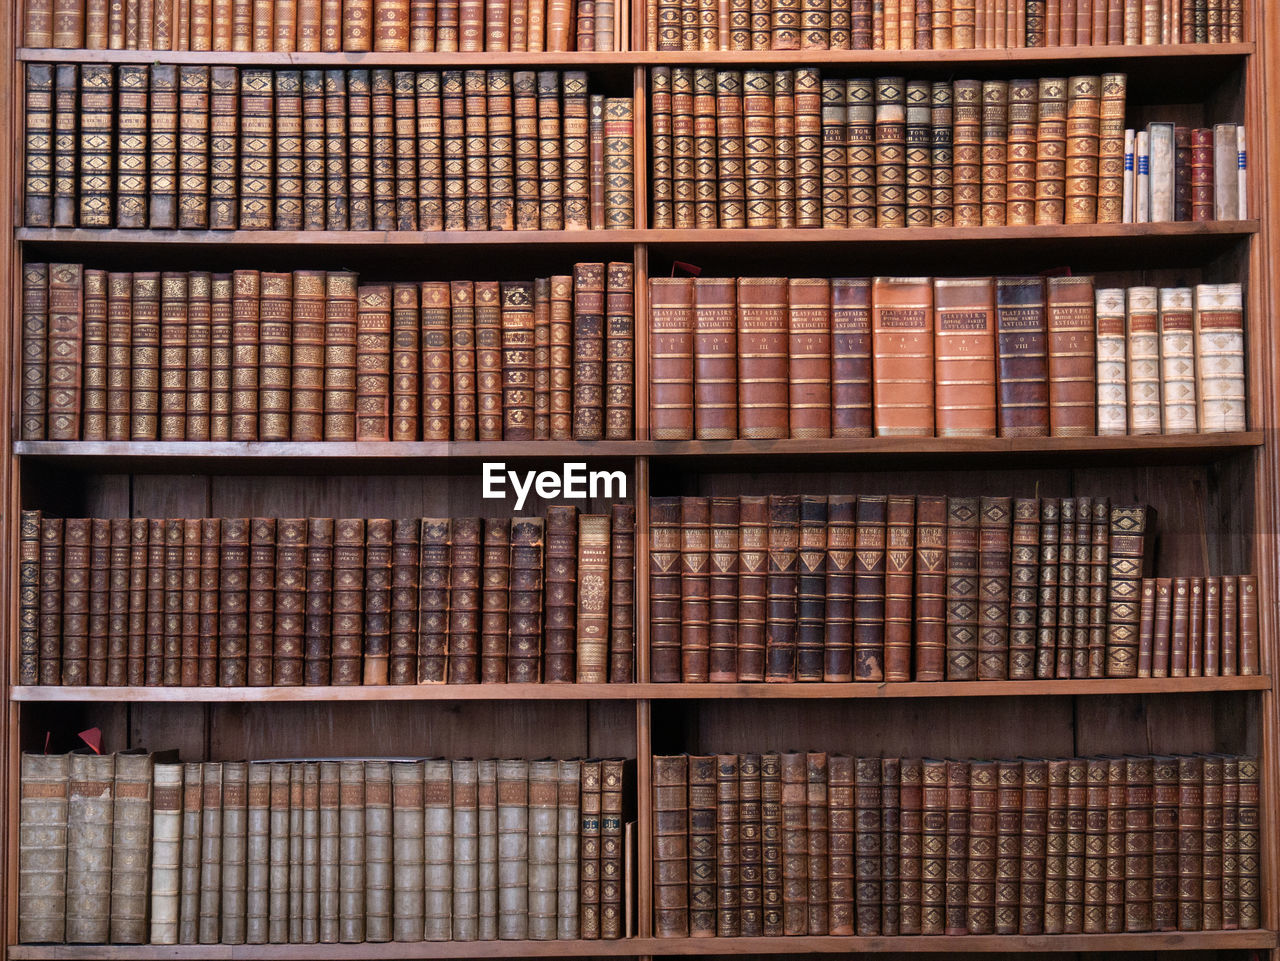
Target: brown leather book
(964, 357)
(188, 605)
(130, 147)
(982, 852)
(967, 141)
(162, 149)
(1230, 813)
(933, 847)
(429, 149)
(868, 841)
(347, 625)
(1191, 847)
(1069, 307)
(337, 185)
(50, 645)
(66, 118)
(1209, 654)
(899, 575)
(957, 849)
(811, 588)
(233, 614)
(433, 601)
(840, 537)
(851, 380)
(35, 344)
(64, 371)
(930, 588)
(560, 661)
(262, 578)
(135, 650)
(809, 363)
(377, 600)
(1064, 644)
(903, 348)
(464, 601)
(1022, 371)
(794, 844)
(753, 566)
(465, 360)
(588, 351)
(314, 172)
(1212, 848)
(665, 565)
(256, 123)
(275, 358)
(962, 590)
(373, 363)
(517, 360)
(1008, 846)
(1024, 588)
(524, 647)
(728, 843)
(1034, 831)
(910, 814)
(436, 361)
(224, 104)
(702, 848)
(560, 358)
(671, 846)
(75, 602)
(619, 355)
(730, 165)
(1055, 867)
(890, 828)
(671, 360)
(94, 359)
(340, 353)
(723, 589)
(359, 149)
(592, 611)
(780, 627)
(622, 523)
(994, 587)
(308, 356)
(919, 147)
(404, 124)
(475, 168)
(869, 589)
(318, 610)
(287, 213)
(1139, 778)
(695, 543)
(290, 598)
(835, 172)
(199, 359)
(119, 355)
(817, 838)
(173, 356)
(210, 542)
(1098, 573)
(1131, 537)
(771, 844)
(29, 577)
(550, 171)
(763, 374)
(382, 148)
(890, 151)
(246, 353)
(495, 602)
(1048, 590)
(715, 358)
(1229, 665)
(750, 847)
(144, 354)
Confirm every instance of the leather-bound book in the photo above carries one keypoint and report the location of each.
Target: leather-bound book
(1211, 848)
(1024, 588)
(313, 150)
(695, 543)
(90, 809)
(162, 150)
(835, 151)
(1097, 583)
(221, 313)
(851, 403)
(188, 876)
(128, 154)
(957, 847)
(340, 354)
(817, 837)
(173, 356)
(890, 151)
(1035, 776)
(307, 369)
(751, 847)
(119, 354)
(377, 600)
(1177, 361)
(1249, 844)
(794, 844)
(590, 803)
(763, 373)
(964, 357)
(1210, 637)
(967, 141)
(465, 372)
(1083, 126)
(839, 589)
(199, 354)
(930, 588)
(1112, 370)
(524, 658)
(129, 846)
(377, 827)
(753, 553)
(592, 610)
(942, 154)
(919, 146)
(1008, 847)
(869, 589)
(348, 599)
(407, 816)
(464, 601)
(29, 598)
(544, 789)
(475, 144)
(868, 841)
(671, 846)
(75, 602)
(351, 851)
(403, 647)
(550, 176)
(233, 615)
(1048, 590)
(337, 185)
(890, 829)
(981, 853)
(64, 371)
(433, 601)
(94, 357)
(933, 847)
(42, 847)
(246, 353)
(275, 356)
(759, 147)
(1190, 844)
(189, 629)
(560, 659)
(1202, 179)
(560, 358)
(1139, 778)
(728, 916)
(838, 830)
(723, 589)
(517, 360)
(525, 149)
(1055, 866)
(811, 588)
(619, 352)
(1051, 151)
(588, 351)
(224, 112)
(1247, 625)
(35, 344)
(37, 183)
(287, 213)
(262, 573)
(809, 362)
(994, 587)
(209, 533)
(429, 127)
(66, 121)
(671, 376)
(1070, 307)
(1230, 813)
(1146, 631)
(318, 601)
(1095, 847)
(569, 819)
(665, 565)
(232, 897)
(436, 361)
(995, 135)
(1129, 559)
(256, 142)
(1230, 626)
(902, 343)
(1065, 641)
(729, 169)
(373, 363)
(780, 626)
(962, 588)
(715, 357)
(1219, 357)
(404, 124)
(50, 610)
(910, 814)
(382, 150)
(579, 207)
(771, 827)
(1022, 365)
(495, 600)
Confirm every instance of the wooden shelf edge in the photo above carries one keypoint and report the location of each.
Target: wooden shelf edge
(662, 947)
(642, 692)
(677, 450)
(627, 58)
(878, 235)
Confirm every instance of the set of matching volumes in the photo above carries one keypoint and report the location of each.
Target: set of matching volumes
(1026, 356)
(1198, 627)
(264, 601)
(796, 148)
(937, 24)
(311, 356)
(928, 588)
(311, 26)
(1176, 173)
(224, 147)
(825, 844)
(130, 849)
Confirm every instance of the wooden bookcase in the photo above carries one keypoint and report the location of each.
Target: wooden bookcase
(1218, 495)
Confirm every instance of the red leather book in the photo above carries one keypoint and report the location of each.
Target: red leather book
(1008, 846)
(1070, 315)
(903, 350)
(762, 358)
(671, 381)
(780, 626)
(715, 358)
(809, 362)
(840, 537)
(695, 536)
(723, 589)
(1209, 658)
(1247, 625)
(664, 589)
(851, 380)
(753, 568)
(1195, 628)
(811, 589)
(964, 357)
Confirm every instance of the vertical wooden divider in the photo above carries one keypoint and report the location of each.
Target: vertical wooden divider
(11, 160)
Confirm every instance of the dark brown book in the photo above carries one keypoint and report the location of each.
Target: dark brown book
(402, 666)
(144, 354)
(29, 598)
(753, 568)
(695, 537)
(463, 328)
(1069, 311)
(337, 182)
(962, 588)
(382, 161)
(475, 144)
(429, 148)
(256, 186)
(851, 407)
(671, 360)
(464, 601)
(1055, 867)
(162, 149)
(723, 589)
(405, 385)
(588, 351)
(550, 169)
(35, 345)
(869, 589)
(957, 848)
(868, 841)
(619, 352)
(93, 421)
(560, 637)
(359, 149)
(49, 612)
(314, 141)
(404, 132)
(75, 601)
(664, 588)
(838, 640)
(1024, 587)
(233, 614)
(524, 650)
(981, 853)
(65, 352)
(318, 613)
(1064, 644)
(1139, 786)
(1035, 776)
(672, 810)
(373, 363)
(1131, 536)
(931, 588)
(1008, 846)
(794, 844)
(173, 356)
(817, 843)
(994, 588)
(933, 847)
(1022, 358)
(290, 599)
(347, 619)
(66, 123)
(517, 360)
(495, 600)
(1047, 618)
(262, 579)
(910, 814)
(702, 845)
(715, 358)
(560, 358)
(433, 601)
(811, 589)
(130, 153)
(287, 213)
(780, 626)
(1230, 639)
(38, 147)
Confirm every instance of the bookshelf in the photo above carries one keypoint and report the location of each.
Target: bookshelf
(1216, 493)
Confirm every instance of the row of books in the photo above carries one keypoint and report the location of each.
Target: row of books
(132, 848)
(798, 148)
(825, 844)
(222, 147)
(315, 355)
(938, 24)
(792, 587)
(1026, 356)
(1176, 173)
(310, 26)
(1194, 626)
(264, 601)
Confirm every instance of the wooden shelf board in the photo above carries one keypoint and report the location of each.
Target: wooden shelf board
(633, 947)
(655, 692)
(718, 236)
(626, 58)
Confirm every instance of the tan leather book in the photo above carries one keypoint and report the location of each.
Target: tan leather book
(488, 313)
(246, 354)
(560, 358)
(671, 376)
(517, 360)
(340, 353)
(715, 366)
(964, 357)
(809, 362)
(275, 357)
(902, 356)
(308, 356)
(437, 361)
(763, 370)
(593, 599)
(1070, 310)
